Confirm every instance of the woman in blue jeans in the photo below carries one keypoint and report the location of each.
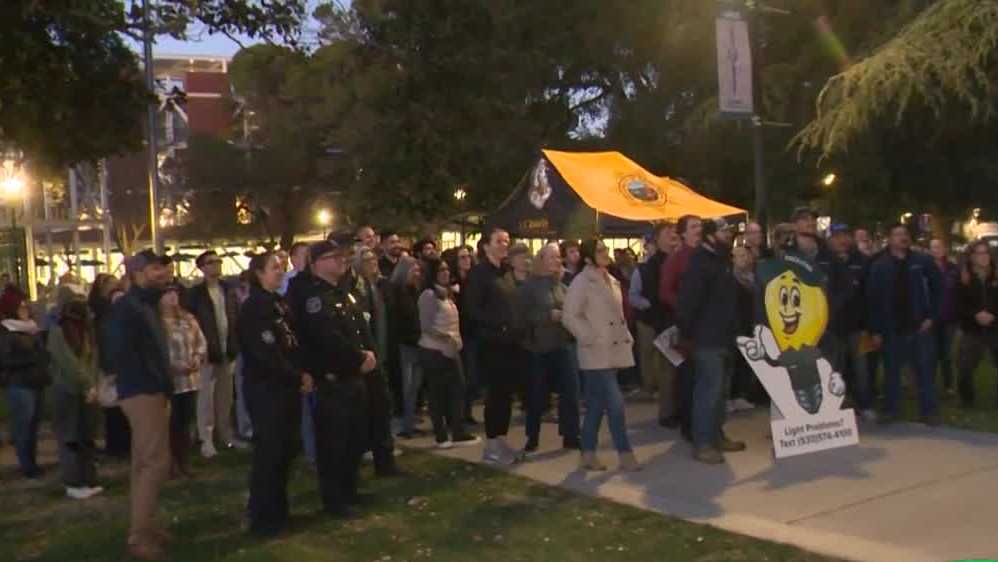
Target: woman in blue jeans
(406, 286)
(24, 370)
(594, 314)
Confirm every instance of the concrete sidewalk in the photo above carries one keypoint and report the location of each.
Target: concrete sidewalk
(907, 493)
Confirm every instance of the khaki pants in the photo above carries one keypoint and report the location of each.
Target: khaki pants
(215, 402)
(149, 417)
(656, 371)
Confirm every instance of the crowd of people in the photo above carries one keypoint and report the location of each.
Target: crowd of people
(339, 345)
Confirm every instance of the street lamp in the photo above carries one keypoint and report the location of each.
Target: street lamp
(12, 186)
(460, 194)
(829, 180)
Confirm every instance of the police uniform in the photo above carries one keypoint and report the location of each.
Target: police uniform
(272, 382)
(334, 335)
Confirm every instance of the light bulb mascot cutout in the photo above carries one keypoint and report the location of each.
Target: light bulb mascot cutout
(806, 391)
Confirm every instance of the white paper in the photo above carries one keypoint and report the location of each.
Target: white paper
(666, 343)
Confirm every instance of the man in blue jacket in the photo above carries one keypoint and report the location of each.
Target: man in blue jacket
(140, 357)
(903, 293)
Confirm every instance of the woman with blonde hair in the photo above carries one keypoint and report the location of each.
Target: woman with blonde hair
(188, 350)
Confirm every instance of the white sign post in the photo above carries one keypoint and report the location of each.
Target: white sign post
(734, 65)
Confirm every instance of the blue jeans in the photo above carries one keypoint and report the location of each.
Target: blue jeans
(555, 367)
(25, 414)
(412, 382)
(713, 371)
(919, 350)
(603, 397)
(308, 426)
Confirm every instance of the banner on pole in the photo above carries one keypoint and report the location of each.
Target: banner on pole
(734, 65)
(805, 389)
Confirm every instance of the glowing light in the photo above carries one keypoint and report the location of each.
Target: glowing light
(460, 194)
(829, 180)
(324, 217)
(12, 186)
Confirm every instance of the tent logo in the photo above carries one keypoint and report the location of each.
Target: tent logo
(540, 187)
(638, 189)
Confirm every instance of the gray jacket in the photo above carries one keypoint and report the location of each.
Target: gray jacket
(539, 295)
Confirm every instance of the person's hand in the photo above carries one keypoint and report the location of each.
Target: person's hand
(307, 383)
(556, 315)
(984, 318)
(926, 325)
(877, 342)
(370, 362)
(91, 396)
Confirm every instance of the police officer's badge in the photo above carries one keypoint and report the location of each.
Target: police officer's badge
(313, 305)
(268, 337)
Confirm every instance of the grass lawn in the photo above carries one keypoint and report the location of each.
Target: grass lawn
(447, 511)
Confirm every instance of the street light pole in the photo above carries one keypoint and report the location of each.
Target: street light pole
(152, 164)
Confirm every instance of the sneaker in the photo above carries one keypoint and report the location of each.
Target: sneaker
(730, 407)
(708, 455)
(466, 440)
(238, 444)
(743, 405)
(82, 492)
(444, 445)
(498, 454)
(728, 446)
(208, 450)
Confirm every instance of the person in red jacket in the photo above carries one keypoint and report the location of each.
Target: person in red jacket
(690, 228)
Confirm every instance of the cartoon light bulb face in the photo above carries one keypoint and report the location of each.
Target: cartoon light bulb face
(797, 312)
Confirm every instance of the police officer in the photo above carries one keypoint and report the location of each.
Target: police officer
(271, 384)
(337, 349)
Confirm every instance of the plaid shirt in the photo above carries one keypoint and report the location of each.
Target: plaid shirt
(188, 346)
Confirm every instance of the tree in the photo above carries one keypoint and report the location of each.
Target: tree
(70, 87)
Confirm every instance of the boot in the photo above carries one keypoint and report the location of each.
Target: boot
(629, 463)
(588, 461)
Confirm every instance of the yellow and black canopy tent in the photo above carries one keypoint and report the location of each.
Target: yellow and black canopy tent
(578, 194)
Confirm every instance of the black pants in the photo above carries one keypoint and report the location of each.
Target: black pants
(181, 415)
(382, 444)
(504, 367)
(117, 433)
(944, 348)
(341, 436)
(973, 346)
(446, 388)
(275, 411)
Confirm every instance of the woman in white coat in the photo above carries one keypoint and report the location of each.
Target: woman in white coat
(594, 314)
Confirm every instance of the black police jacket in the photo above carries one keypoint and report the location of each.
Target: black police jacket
(332, 330)
(270, 348)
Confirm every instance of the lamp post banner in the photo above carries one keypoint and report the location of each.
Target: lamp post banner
(734, 65)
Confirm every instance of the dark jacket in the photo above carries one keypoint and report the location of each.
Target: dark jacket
(708, 300)
(540, 295)
(979, 295)
(924, 286)
(847, 294)
(23, 359)
(270, 347)
(332, 331)
(948, 307)
(656, 316)
(492, 305)
(197, 301)
(140, 356)
(404, 315)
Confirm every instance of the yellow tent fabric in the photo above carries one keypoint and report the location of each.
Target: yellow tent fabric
(613, 184)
